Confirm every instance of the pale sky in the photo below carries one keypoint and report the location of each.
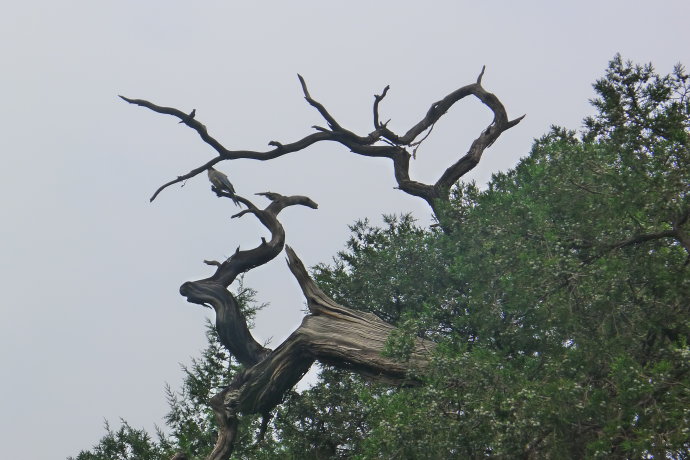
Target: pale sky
(91, 323)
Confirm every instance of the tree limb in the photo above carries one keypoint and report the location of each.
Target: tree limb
(368, 145)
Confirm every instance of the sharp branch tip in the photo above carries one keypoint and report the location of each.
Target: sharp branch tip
(481, 74)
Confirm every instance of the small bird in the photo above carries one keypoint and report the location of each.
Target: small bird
(188, 117)
(221, 183)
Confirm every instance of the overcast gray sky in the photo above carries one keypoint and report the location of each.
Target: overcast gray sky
(91, 322)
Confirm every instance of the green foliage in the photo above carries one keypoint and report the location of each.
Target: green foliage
(190, 418)
(126, 443)
(396, 272)
(560, 299)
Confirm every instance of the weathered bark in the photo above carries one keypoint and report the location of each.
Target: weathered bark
(333, 334)
(330, 333)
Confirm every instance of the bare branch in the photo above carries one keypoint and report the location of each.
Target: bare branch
(377, 100)
(189, 175)
(419, 142)
(242, 213)
(331, 333)
(366, 145)
(185, 118)
(280, 150)
(472, 157)
(318, 106)
(438, 109)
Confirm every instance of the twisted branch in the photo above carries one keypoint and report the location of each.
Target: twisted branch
(212, 291)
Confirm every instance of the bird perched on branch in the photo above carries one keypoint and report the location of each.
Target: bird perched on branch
(188, 117)
(221, 183)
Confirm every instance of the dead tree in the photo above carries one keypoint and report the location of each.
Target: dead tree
(330, 333)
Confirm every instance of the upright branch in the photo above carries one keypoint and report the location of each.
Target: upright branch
(676, 232)
(382, 142)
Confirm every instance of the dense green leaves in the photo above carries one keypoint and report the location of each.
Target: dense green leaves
(396, 272)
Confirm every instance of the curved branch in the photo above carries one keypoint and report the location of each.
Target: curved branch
(472, 157)
(212, 291)
(318, 106)
(231, 324)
